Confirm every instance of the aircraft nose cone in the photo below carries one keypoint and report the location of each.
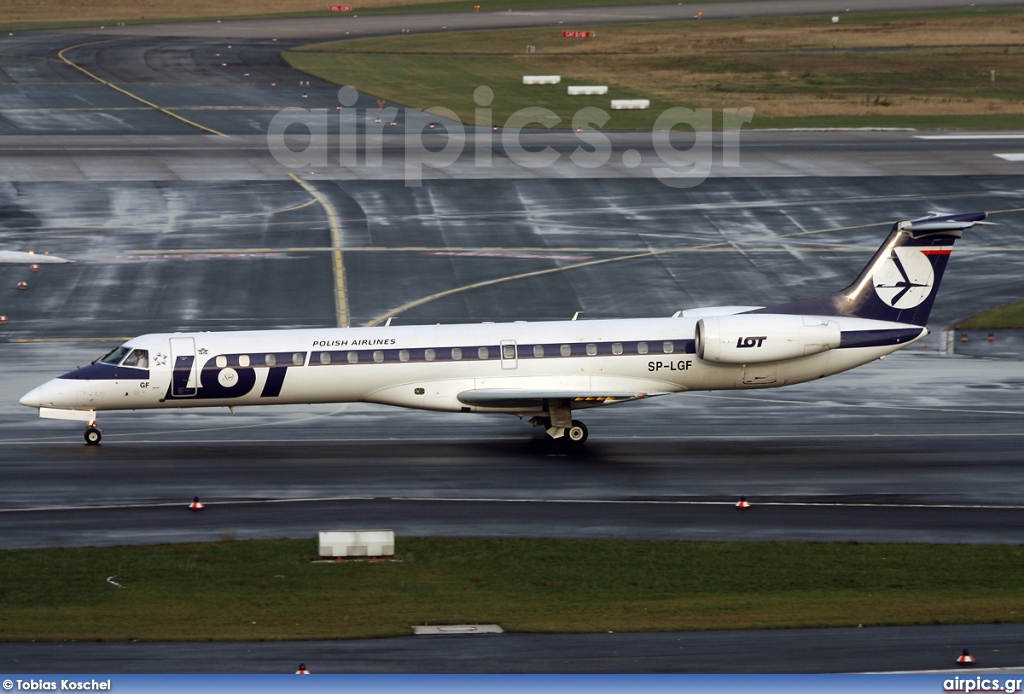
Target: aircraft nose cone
(32, 398)
(50, 394)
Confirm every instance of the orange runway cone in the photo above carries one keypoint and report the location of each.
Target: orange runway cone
(991, 337)
(302, 669)
(197, 505)
(22, 285)
(965, 660)
(743, 503)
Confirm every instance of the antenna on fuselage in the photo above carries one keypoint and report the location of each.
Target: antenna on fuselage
(577, 314)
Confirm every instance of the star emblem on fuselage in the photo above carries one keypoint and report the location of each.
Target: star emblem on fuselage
(160, 359)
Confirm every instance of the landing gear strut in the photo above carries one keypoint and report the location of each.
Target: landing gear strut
(92, 434)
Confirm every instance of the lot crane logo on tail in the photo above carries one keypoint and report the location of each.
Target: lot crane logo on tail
(905, 278)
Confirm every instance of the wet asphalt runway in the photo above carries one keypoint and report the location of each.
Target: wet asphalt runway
(177, 228)
(879, 649)
(236, 255)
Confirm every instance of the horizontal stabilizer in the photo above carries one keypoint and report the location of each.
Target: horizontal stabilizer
(945, 222)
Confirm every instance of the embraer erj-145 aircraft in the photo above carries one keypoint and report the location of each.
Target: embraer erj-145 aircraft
(546, 371)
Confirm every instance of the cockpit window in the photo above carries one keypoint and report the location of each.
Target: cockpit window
(114, 356)
(139, 358)
(126, 356)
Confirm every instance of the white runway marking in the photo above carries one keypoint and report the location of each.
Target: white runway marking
(498, 500)
(863, 405)
(971, 137)
(1012, 156)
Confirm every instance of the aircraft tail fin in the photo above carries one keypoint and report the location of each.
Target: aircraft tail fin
(901, 280)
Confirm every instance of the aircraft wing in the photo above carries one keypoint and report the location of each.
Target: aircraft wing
(514, 397)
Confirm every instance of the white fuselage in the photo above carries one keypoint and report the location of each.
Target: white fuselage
(430, 366)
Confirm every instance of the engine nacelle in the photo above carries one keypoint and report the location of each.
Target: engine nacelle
(759, 338)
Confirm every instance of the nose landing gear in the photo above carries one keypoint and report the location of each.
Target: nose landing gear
(93, 434)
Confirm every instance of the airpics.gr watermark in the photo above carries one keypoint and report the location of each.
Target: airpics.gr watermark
(586, 147)
(981, 684)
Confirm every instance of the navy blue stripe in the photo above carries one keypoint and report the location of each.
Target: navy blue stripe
(107, 372)
(523, 351)
(877, 338)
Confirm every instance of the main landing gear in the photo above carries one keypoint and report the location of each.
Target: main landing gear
(93, 434)
(575, 434)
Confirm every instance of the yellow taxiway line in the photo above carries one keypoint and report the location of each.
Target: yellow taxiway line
(337, 258)
(60, 54)
(620, 258)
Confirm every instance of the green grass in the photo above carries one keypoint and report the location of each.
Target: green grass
(271, 590)
(450, 82)
(796, 72)
(1008, 317)
(229, 11)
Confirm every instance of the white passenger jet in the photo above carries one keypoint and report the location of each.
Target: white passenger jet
(546, 371)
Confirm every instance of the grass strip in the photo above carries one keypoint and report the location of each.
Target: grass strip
(1008, 317)
(31, 14)
(271, 589)
(939, 69)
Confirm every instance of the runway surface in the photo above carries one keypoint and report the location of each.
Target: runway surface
(918, 448)
(879, 649)
(195, 225)
(166, 256)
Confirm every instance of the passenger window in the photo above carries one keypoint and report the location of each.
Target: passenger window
(482, 352)
(668, 347)
(456, 353)
(538, 351)
(270, 359)
(429, 354)
(222, 361)
(403, 355)
(353, 357)
(508, 352)
(243, 360)
(641, 348)
(591, 349)
(565, 351)
(378, 356)
(616, 348)
(325, 357)
(298, 359)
